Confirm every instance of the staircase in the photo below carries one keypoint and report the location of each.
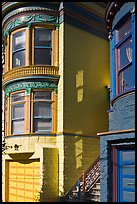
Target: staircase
(87, 188)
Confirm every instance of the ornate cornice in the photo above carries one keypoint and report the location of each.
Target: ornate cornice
(28, 19)
(30, 71)
(28, 86)
(111, 11)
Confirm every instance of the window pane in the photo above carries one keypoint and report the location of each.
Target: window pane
(125, 79)
(129, 196)
(18, 126)
(128, 183)
(125, 53)
(42, 109)
(42, 56)
(42, 95)
(128, 170)
(18, 111)
(19, 40)
(42, 37)
(18, 59)
(18, 97)
(128, 156)
(124, 30)
(42, 125)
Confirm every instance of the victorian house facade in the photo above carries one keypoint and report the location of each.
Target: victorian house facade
(68, 87)
(55, 98)
(117, 146)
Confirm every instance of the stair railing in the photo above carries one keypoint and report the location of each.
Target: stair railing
(91, 177)
(87, 180)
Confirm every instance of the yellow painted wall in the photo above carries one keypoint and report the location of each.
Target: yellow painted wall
(86, 73)
(50, 175)
(80, 153)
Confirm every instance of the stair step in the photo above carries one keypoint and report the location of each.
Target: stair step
(95, 193)
(92, 199)
(97, 189)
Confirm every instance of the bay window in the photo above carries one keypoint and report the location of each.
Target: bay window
(17, 113)
(123, 57)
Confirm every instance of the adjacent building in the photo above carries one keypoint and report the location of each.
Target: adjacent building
(55, 75)
(117, 146)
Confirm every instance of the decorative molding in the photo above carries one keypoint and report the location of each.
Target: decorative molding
(32, 70)
(28, 86)
(28, 20)
(111, 11)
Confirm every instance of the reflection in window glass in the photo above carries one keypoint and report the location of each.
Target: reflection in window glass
(42, 46)
(19, 58)
(18, 114)
(42, 56)
(18, 119)
(42, 95)
(125, 53)
(42, 111)
(123, 31)
(18, 49)
(129, 196)
(128, 183)
(19, 40)
(128, 169)
(128, 156)
(125, 79)
(42, 125)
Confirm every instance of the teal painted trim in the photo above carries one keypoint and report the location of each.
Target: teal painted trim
(28, 86)
(34, 77)
(133, 49)
(28, 20)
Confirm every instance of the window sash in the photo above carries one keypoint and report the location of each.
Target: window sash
(42, 111)
(124, 30)
(42, 95)
(19, 49)
(124, 54)
(18, 126)
(18, 111)
(125, 79)
(42, 46)
(42, 125)
(18, 97)
(19, 41)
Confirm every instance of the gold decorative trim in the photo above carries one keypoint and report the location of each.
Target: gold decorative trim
(33, 70)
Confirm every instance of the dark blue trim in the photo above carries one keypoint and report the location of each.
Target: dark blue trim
(133, 49)
(113, 65)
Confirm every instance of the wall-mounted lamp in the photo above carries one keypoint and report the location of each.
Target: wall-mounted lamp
(107, 87)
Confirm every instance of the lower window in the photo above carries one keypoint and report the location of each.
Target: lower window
(42, 111)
